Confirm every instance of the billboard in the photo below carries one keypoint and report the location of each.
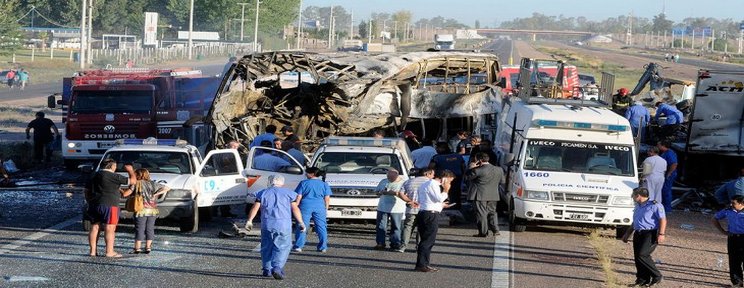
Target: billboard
(199, 35)
(151, 29)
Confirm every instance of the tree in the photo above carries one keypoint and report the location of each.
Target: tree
(401, 17)
(660, 23)
(363, 29)
(477, 24)
(10, 34)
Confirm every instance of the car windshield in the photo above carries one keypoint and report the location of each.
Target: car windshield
(357, 163)
(155, 162)
(114, 101)
(579, 157)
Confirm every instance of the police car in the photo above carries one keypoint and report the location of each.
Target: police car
(354, 167)
(195, 182)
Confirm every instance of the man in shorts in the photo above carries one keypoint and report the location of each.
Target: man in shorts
(102, 194)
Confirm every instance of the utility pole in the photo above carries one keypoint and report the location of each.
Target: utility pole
(741, 37)
(330, 28)
(369, 31)
(383, 30)
(242, 18)
(351, 26)
(191, 29)
(299, 26)
(255, 28)
(83, 36)
(693, 40)
(629, 32)
(395, 29)
(89, 53)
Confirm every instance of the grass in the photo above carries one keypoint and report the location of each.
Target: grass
(624, 76)
(14, 117)
(603, 246)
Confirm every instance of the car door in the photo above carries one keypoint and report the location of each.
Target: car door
(220, 181)
(257, 175)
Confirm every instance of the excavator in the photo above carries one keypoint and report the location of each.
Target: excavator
(662, 89)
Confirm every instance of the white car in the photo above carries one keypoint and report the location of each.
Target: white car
(194, 182)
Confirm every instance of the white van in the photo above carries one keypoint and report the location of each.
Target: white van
(569, 162)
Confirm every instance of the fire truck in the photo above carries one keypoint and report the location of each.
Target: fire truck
(101, 106)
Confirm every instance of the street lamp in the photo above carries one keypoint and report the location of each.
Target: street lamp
(255, 29)
(299, 26)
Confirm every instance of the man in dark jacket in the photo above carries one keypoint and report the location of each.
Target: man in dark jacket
(42, 136)
(484, 180)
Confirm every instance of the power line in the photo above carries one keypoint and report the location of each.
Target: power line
(33, 9)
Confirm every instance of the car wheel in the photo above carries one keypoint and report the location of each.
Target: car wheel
(620, 231)
(191, 223)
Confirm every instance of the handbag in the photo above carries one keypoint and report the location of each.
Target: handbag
(136, 202)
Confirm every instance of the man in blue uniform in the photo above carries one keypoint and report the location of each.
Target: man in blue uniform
(674, 119)
(649, 225)
(639, 118)
(266, 160)
(314, 198)
(279, 205)
(671, 172)
(735, 233)
(729, 189)
(268, 136)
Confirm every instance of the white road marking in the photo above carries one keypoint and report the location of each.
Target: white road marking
(502, 252)
(24, 278)
(38, 235)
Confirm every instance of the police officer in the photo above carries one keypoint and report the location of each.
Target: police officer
(314, 197)
(649, 225)
(735, 233)
(267, 161)
(639, 118)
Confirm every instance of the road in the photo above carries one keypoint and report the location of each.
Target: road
(49, 88)
(659, 58)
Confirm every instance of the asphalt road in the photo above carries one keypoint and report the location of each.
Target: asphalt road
(659, 58)
(42, 244)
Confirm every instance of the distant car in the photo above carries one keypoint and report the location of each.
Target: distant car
(585, 79)
(579, 43)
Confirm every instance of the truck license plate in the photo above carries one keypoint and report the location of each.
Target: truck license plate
(105, 145)
(578, 216)
(351, 212)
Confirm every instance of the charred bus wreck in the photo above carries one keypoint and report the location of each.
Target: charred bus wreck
(351, 94)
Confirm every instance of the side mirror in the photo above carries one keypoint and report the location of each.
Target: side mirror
(51, 102)
(86, 168)
(502, 83)
(293, 170)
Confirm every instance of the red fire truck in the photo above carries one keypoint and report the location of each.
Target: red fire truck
(101, 106)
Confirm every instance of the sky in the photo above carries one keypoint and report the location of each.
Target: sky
(492, 12)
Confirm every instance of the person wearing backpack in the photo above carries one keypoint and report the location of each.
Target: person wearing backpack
(144, 219)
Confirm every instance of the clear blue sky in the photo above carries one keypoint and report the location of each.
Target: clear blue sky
(489, 12)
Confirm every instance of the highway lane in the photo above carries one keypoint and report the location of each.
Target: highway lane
(658, 57)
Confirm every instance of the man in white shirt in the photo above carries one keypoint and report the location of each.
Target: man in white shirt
(392, 207)
(422, 156)
(431, 200)
(654, 168)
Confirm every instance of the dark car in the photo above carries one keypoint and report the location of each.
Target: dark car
(585, 79)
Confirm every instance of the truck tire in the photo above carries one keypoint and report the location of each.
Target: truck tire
(516, 224)
(190, 224)
(620, 231)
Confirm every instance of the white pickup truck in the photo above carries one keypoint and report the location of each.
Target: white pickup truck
(354, 167)
(194, 182)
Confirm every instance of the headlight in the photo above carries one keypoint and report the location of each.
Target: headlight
(178, 194)
(71, 145)
(538, 195)
(622, 201)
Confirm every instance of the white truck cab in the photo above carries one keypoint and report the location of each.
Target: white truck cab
(194, 182)
(354, 167)
(568, 162)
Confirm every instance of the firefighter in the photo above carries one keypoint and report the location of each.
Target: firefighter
(621, 101)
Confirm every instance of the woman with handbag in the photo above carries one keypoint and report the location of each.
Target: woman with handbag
(145, 214)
